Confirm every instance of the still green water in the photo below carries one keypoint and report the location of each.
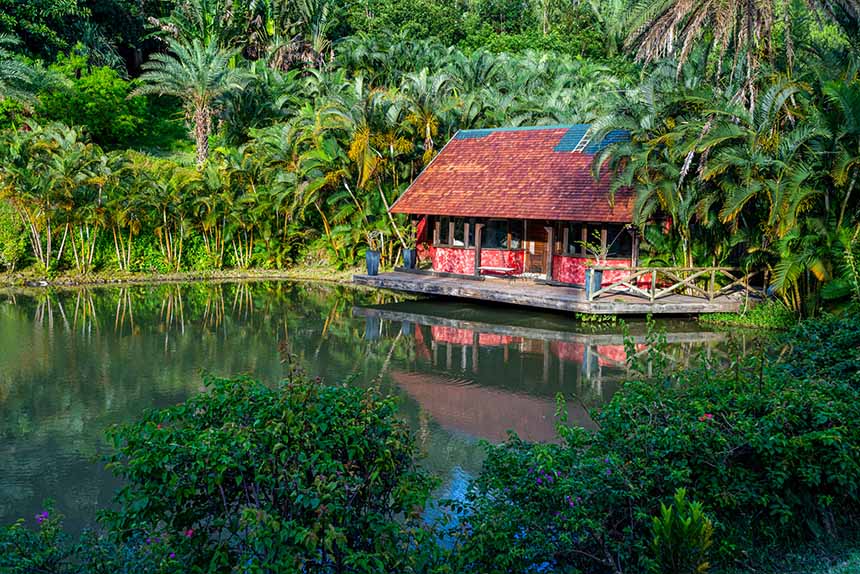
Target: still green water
(74, 362)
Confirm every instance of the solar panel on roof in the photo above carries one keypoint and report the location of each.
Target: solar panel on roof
(471, 134)
(615, 136)
(571, 138)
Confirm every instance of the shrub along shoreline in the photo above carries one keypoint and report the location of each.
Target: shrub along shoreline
(698, 470)
(28, 278)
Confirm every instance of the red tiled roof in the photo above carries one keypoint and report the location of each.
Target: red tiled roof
(526, 173)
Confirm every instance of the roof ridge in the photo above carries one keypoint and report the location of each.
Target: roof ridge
(523, 128)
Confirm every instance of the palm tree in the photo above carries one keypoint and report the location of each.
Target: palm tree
(612, 16)
(219, 21)
(15, 75)
(427, 97)
(738, 31)
(200, 75)
(45, 173)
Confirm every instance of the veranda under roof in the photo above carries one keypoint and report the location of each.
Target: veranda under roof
(518, 173)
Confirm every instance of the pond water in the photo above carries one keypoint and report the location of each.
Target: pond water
(74, 362)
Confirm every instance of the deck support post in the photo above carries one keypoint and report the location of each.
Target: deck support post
(635, 258)
(479, 228)
(550, 250)
(653, 284)
(712, 285)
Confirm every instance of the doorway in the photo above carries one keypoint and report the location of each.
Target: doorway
(536, 246)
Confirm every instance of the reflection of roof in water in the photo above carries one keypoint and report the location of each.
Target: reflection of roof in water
(483, 412)
(528, 325)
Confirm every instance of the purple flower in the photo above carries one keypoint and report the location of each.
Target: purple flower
(539, 481)
(173, 555)
(606, 460)
(608, 471)
(149, 540)
(42, 517)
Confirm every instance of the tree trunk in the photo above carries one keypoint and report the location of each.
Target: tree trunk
(202, 129)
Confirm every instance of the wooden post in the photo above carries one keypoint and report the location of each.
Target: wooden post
(635, 258)
(550, 250)
(712, 285)
(437, 232)
(653, 283)
(565, 241)
(479, 227)
(450, 232)
(583, 235)
(465, 235)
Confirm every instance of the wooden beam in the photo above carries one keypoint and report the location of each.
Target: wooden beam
(465, 235)
(550, 250)
(437, 232)
(584, 238)
(565, 242)
(479, 228)
(450, 232)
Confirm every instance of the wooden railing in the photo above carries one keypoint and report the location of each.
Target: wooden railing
(658, 282)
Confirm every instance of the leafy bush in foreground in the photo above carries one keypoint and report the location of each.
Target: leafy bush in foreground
(825, 349)
(294, 478)
(246, 478)
(691, 472)
(769, 452)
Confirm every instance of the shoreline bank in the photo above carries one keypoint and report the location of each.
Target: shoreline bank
(303, 273)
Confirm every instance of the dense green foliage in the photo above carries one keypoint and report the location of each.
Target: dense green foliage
(247, 478)
(97, 99)
(316, 115)
(688, 471)
(768, 315)
(768, 449)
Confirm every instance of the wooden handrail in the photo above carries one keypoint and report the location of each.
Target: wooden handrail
(700, 282)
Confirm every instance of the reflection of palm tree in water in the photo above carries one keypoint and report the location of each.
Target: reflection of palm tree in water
(423, 428)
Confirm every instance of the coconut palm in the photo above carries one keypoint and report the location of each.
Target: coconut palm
(201, 75)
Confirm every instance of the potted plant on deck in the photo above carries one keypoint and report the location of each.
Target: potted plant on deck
(372, 255)
(600, 252)
(410, 247)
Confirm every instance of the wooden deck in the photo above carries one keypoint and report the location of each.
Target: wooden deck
(541, 295)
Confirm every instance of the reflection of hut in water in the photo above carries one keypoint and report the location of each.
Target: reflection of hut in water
(481, 412)
(447, 342)
(480, 378)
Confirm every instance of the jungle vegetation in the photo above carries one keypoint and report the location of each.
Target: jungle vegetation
(204, 134)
